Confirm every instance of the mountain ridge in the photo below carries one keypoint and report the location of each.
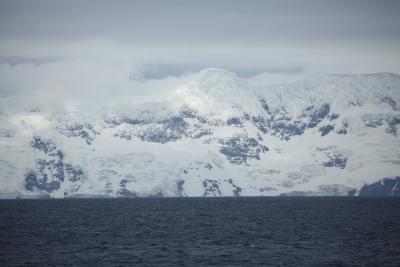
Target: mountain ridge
(214, 134)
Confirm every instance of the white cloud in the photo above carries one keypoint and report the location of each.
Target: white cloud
(65, 54)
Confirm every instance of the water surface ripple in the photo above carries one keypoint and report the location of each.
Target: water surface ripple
(320, 231)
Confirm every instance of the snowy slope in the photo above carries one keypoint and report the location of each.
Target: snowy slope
(210, 133)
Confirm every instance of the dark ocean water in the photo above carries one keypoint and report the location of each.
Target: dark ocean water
(322, 231)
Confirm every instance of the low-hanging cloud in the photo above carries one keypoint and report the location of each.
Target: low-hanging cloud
(66, 53)
(342, 36)
(76, 84)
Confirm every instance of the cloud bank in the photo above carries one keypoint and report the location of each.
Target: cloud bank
(67, 53)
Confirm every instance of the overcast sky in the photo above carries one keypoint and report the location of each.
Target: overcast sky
(177, 36)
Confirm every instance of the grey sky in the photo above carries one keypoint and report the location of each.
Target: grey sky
(174, 36)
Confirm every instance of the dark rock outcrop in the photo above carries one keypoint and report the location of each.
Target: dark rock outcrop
(211, 188)
(50, 170)
(181, 190)
(336, 160)
(239, 148)
(43, 145)
(388, 100)
(234, 121)
(40, 182)
(125, 193)
(74, 174)
(166, 130)
(324, 130)
(318, 115)
(83, 130)
(279, 123)
(392, 125)
(236, 189)
(344, 129)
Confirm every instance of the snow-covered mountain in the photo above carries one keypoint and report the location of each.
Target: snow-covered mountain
(210, 133)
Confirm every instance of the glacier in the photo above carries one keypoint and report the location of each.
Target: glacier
(209, 133)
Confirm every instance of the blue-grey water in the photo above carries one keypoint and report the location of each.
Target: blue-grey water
(321, 231)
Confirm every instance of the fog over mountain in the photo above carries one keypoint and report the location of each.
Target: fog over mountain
(208, 98)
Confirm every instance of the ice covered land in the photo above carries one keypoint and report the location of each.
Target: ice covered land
(210, 133)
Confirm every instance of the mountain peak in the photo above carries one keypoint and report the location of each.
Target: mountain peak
(212, 134)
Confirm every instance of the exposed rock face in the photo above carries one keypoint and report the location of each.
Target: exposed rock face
(390, 102)
(210, 133)
(43, 145)
(123, 191)
(387, 187)
(51, 170)
(236, 189)
(336, 160)
(166, 130)
(318, 115)
(83, 130)
(343, 129)
(32, 182)
(73, 174)
(158, 131)
(324, 130)
(211, 188)
(389, 121)
(49, 173)
(280, 123)
(181, 190)
(239, 148)
(234, 121)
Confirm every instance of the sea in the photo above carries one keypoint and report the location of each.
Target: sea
(242, 231)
